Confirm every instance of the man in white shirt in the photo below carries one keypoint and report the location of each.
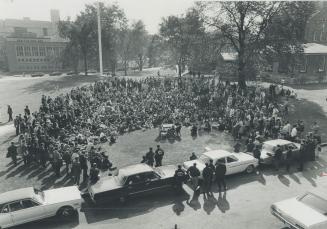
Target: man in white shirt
(294, 133)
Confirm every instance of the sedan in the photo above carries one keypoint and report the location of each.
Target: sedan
(269, 147)
(28, 204)
(133, 180)
(235, 162)
(308, 211)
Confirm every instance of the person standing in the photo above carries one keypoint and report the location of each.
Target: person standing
(94, 174)
(9, 111)
(159, 153)
(179, 178)
(302, 157)
(57, 160)
(194, 174)
(220, 172)
(278, 157)
(76, 171)
(43, 155)
(207, 174)
(68, 160)
(27, 111)
(84, 166)
(288, 160)
(150, 157)
(12, 152)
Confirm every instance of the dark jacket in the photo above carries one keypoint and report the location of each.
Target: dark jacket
(220, 171)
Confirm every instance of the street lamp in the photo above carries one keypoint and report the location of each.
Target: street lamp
(99, 40)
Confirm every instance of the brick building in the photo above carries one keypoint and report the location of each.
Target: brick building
(30, 46)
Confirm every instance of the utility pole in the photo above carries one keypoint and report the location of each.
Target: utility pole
(99, 40)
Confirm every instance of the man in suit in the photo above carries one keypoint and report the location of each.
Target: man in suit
(220, 175)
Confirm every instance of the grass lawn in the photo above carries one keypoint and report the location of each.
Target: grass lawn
(309, 112)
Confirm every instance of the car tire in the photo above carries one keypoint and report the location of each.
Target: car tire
(249, 169)
(66, 212)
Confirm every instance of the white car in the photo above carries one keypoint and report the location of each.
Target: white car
(28, 204)
(308, 211)
(235, 162)
(164, 128)
(268, 149)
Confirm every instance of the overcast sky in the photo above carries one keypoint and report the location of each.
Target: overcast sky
(150, 11)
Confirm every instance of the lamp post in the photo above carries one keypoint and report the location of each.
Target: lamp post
(99, 40)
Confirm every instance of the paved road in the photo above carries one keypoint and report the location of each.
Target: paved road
(246, 203)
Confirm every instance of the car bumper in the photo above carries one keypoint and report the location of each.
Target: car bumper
(285, 221)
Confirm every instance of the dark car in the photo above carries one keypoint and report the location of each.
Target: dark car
(37, 74)
(132, 180)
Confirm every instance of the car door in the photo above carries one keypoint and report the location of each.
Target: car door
(26, 210)
(222, 160)
(135, 184)
(233, 165)
(153, 181)
(5, 217)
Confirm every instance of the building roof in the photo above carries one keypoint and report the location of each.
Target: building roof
(314, 48)
(16, 194)
(229, 56)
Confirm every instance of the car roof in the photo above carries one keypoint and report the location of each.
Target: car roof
(16, 194)
(276, 142)
(217, 153)
(135, 169)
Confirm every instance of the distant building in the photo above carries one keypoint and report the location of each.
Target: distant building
(29, 45)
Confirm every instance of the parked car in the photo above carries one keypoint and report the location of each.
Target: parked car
(132, 180)
(164, 129)
(235, 162)
(70, 73)
(37, 74)
(268, 149)
(308, 211)
(28, 204)
(55, 74)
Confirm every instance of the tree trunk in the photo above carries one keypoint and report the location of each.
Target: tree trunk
(140, 63)
(85, 64)
(125, 68)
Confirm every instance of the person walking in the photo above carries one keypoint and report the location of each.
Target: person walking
(220, 172)
(159, 153)
(10, 112)
(194, 174)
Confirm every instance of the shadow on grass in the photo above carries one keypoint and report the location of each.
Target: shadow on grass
(63, 82)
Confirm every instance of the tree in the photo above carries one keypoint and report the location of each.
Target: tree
(180, 33)
(243, 24)
(139, 42)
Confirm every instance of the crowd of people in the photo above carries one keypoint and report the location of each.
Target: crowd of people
(70, 128)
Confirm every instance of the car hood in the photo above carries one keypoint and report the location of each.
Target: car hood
(59, 195)
(199, 164)
(166, 171)
(105, 184)
(299, 213)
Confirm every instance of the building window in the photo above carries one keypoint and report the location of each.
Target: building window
(42, 51)
(321, 36)
(27, 51)
(19, 51)
(45, 31)
(315, 36)
(321, 63)
(35, 51)
(56, 51)
(49, 51)
(303, 64)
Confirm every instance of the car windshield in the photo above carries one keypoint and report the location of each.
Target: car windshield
(121, 178)
(204, 158)
(268, 147)
(315, 202)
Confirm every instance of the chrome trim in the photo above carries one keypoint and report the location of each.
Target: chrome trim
(281, 218)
